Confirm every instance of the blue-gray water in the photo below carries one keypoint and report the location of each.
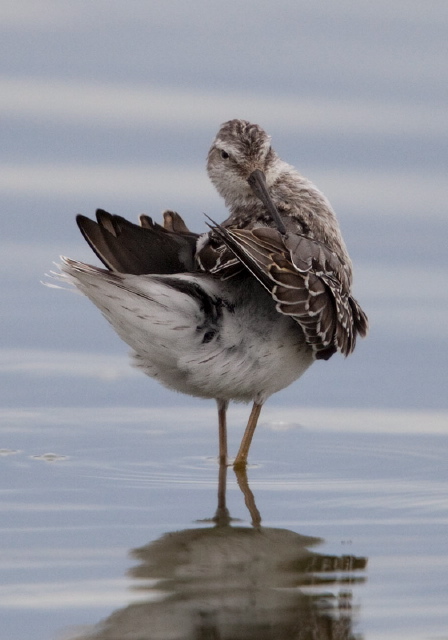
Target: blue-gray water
(114, 105)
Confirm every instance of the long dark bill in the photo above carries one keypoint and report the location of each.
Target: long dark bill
(257, 182)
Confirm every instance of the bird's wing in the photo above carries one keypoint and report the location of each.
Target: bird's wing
(216, 258)
(150, 248)
(307, 281)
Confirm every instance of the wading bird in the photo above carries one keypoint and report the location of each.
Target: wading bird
(237, 313)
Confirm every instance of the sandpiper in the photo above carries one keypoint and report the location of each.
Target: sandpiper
(237, 313)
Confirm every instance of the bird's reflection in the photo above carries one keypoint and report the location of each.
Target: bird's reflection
(231, 582)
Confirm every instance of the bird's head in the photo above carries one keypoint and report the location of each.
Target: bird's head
(239, 149)
(243, 166)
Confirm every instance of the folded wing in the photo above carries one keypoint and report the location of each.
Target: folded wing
(307, 281)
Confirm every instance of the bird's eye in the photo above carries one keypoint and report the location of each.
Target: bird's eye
(224, 155)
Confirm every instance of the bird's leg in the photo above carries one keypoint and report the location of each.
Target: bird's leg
(241, 458)
(222, 425)
(243, 483)
(222, 516)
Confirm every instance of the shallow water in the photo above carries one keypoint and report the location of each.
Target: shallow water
(111, 526)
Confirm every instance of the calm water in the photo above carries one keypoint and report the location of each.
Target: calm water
(115, 524)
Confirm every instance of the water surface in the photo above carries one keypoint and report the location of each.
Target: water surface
(114, 525)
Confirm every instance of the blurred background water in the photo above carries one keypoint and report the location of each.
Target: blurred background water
(114, 105)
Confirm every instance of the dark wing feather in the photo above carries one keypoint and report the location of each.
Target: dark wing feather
(306, 279)
(128, 248)
(216, 258)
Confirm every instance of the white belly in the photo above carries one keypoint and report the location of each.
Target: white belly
(257, 353)
(204, 338)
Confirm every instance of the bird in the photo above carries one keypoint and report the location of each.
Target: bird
(241, 311)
